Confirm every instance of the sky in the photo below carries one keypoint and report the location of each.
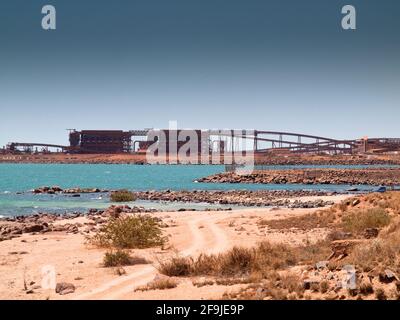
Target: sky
(279, 65)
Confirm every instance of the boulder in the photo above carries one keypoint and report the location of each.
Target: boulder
(63, 288)
(387, 276)
(342, 248)
(33, 228)
(321, 265)
(370, 233)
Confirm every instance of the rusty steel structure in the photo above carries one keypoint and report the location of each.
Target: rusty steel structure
(29, 147)
(260, 141)
(100, 141)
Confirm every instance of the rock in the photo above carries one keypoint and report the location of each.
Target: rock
(370, 233)
(56, 189)
(33, 228)
(339, 235)
(355, 202)
(308, 283)
(159, 277)
(387, 276)
(352, 189)
(120, 271)
(352, 292)
(321, 265)
(332, 296)
(342, 248)
(63, 288)
(365, 286)
(72, 229)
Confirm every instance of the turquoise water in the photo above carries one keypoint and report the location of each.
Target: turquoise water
(17, 178)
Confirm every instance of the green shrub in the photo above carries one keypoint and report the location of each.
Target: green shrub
(122, 196)
(137, 231)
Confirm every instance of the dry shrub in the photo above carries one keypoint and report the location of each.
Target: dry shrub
(235, 261)
(365, 288)
(249, 262)
(319, 219)
(360, 220)
(240, 261)
(380, 252)
(313, 252)
(388, 200)
(203, 283)
(275, 256)
(138, 231)
(122, 196)
(323, 286)
(232, 281)
(120, 258)
(343, 206)
(116, 259)
(275, 287)
(159, 284)
(176, 267)
(292, 283)
(380, 294)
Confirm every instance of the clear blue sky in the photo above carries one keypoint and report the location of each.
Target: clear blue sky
(272, 65)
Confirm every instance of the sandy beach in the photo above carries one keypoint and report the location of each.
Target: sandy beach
(190, 234)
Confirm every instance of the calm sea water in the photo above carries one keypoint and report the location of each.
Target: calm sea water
(16, 178)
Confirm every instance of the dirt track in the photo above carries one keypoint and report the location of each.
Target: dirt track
(190, 233)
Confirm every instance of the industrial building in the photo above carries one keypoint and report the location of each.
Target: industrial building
(139, 141)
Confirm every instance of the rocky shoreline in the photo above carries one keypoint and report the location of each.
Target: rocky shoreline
(14, 227)
(374, 177)
(276, 198)
(279, 198)
(57, 189)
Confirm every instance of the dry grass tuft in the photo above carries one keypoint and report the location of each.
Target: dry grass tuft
(319, 219)
(274, 287)
(116, 259)
(382, 252)
(380, 294)
(159, 284)
(239, 261)
(176, 267)
(203, 283)
(120, 258)
(360, 220)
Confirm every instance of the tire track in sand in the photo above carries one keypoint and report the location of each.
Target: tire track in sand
(124, 285)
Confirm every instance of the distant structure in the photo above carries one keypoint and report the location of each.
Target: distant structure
(99, 141)
(138, 141)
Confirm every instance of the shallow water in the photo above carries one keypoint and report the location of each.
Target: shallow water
(16, 178)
